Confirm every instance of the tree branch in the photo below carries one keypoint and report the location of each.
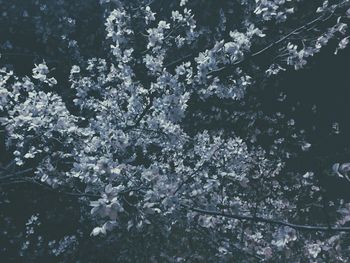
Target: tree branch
(271, 45)
(49, 188)
(296, 30)
(271, 221)
(142, 115)
(12, 174)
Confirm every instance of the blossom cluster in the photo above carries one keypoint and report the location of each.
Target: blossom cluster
(122, 140)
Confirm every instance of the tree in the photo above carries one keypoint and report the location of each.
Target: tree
(132, 138)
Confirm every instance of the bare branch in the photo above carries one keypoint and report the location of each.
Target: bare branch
(13, 174)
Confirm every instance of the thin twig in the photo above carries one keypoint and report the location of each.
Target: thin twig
(174, 62)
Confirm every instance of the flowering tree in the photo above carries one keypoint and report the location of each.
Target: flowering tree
(126, 134)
